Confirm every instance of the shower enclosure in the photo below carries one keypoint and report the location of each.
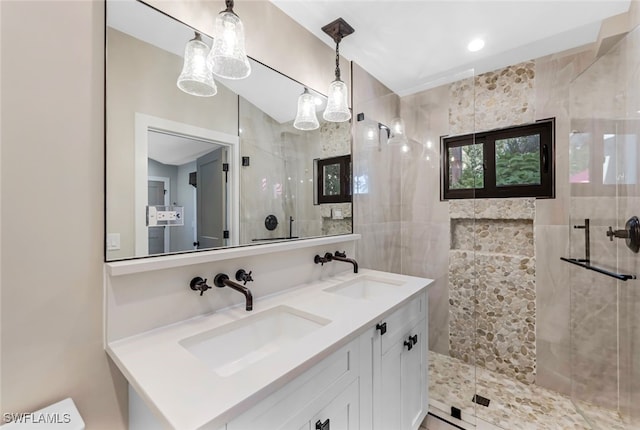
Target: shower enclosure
(604, 185)
(518, 338)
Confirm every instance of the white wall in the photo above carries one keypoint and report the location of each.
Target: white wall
(52, 158)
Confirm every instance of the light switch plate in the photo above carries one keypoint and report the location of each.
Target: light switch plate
(113, 241)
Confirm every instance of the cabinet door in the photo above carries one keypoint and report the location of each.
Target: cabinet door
(388, 393)
(413, 377)
(341, 413)
(293, 406)
(403, 383)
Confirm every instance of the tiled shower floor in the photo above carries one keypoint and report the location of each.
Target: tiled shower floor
(513, 405)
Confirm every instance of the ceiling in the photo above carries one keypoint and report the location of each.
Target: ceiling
(176, 150)
(411, 46)
(264, 88)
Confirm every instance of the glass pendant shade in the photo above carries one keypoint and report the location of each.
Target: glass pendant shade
(196, 78)
(228, 57)
(337, 109)
(306, 117)
(398, 136)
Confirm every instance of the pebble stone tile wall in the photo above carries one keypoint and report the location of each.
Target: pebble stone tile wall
(492, 293)
(501, 98)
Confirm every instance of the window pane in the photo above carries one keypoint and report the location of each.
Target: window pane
(619, 163)
(465, 167)
(579, 157)
(331, 174)
(518, 161)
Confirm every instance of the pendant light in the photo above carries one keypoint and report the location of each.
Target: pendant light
(228, 57)
(306, 117)
(196, 78)
(397, 132)
(337, 109)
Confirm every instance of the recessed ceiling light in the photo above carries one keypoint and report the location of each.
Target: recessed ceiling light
(475, 45)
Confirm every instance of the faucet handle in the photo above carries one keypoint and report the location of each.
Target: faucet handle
(244, 276)
(199, 284)
(321, 260)
(342, 254)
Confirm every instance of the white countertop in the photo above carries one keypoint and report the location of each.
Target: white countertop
(190, 395)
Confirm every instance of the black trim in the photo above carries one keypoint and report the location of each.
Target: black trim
(448, 422)
(546, 189)
(344, 161)
(104, 134)
(587, 265)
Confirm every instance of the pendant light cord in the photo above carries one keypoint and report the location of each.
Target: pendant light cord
(338, 59)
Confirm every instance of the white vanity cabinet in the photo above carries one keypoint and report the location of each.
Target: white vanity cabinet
(324, 397)
(378, 382)
(362, 367)
(400, 373)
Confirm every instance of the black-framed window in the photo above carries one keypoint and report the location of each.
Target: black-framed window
(510, 162)
(333, 179)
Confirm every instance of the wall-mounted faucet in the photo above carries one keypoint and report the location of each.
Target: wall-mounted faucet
(342, 256)
(339, 256)
(199, 284)
(221, 280)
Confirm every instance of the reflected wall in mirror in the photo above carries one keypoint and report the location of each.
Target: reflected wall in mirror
(220, 165)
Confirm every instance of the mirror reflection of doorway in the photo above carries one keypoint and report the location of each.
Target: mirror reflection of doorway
(158, 189)
(177, 157)
(210, 200)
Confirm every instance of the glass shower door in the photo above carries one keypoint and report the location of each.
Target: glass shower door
(604, 160)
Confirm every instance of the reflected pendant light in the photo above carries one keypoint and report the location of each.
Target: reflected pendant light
(397, 133)
(306, 117)
(337, 109)
(228, 57)
(196, 78)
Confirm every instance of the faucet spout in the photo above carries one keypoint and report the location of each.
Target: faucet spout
(221, 280)
(341, 256)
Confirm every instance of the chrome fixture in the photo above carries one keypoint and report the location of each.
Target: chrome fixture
(342, 256)
(306, 118)
(337, 109)
(196, 78)
(221, 280)
(228, 57)
(199, 284)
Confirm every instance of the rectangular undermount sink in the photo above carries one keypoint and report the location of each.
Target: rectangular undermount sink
(232, 347)
(365, 287)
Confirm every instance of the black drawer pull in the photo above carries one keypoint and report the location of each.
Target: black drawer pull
(322, 425)
(382, 327)
(414, 339)
(408, 344)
